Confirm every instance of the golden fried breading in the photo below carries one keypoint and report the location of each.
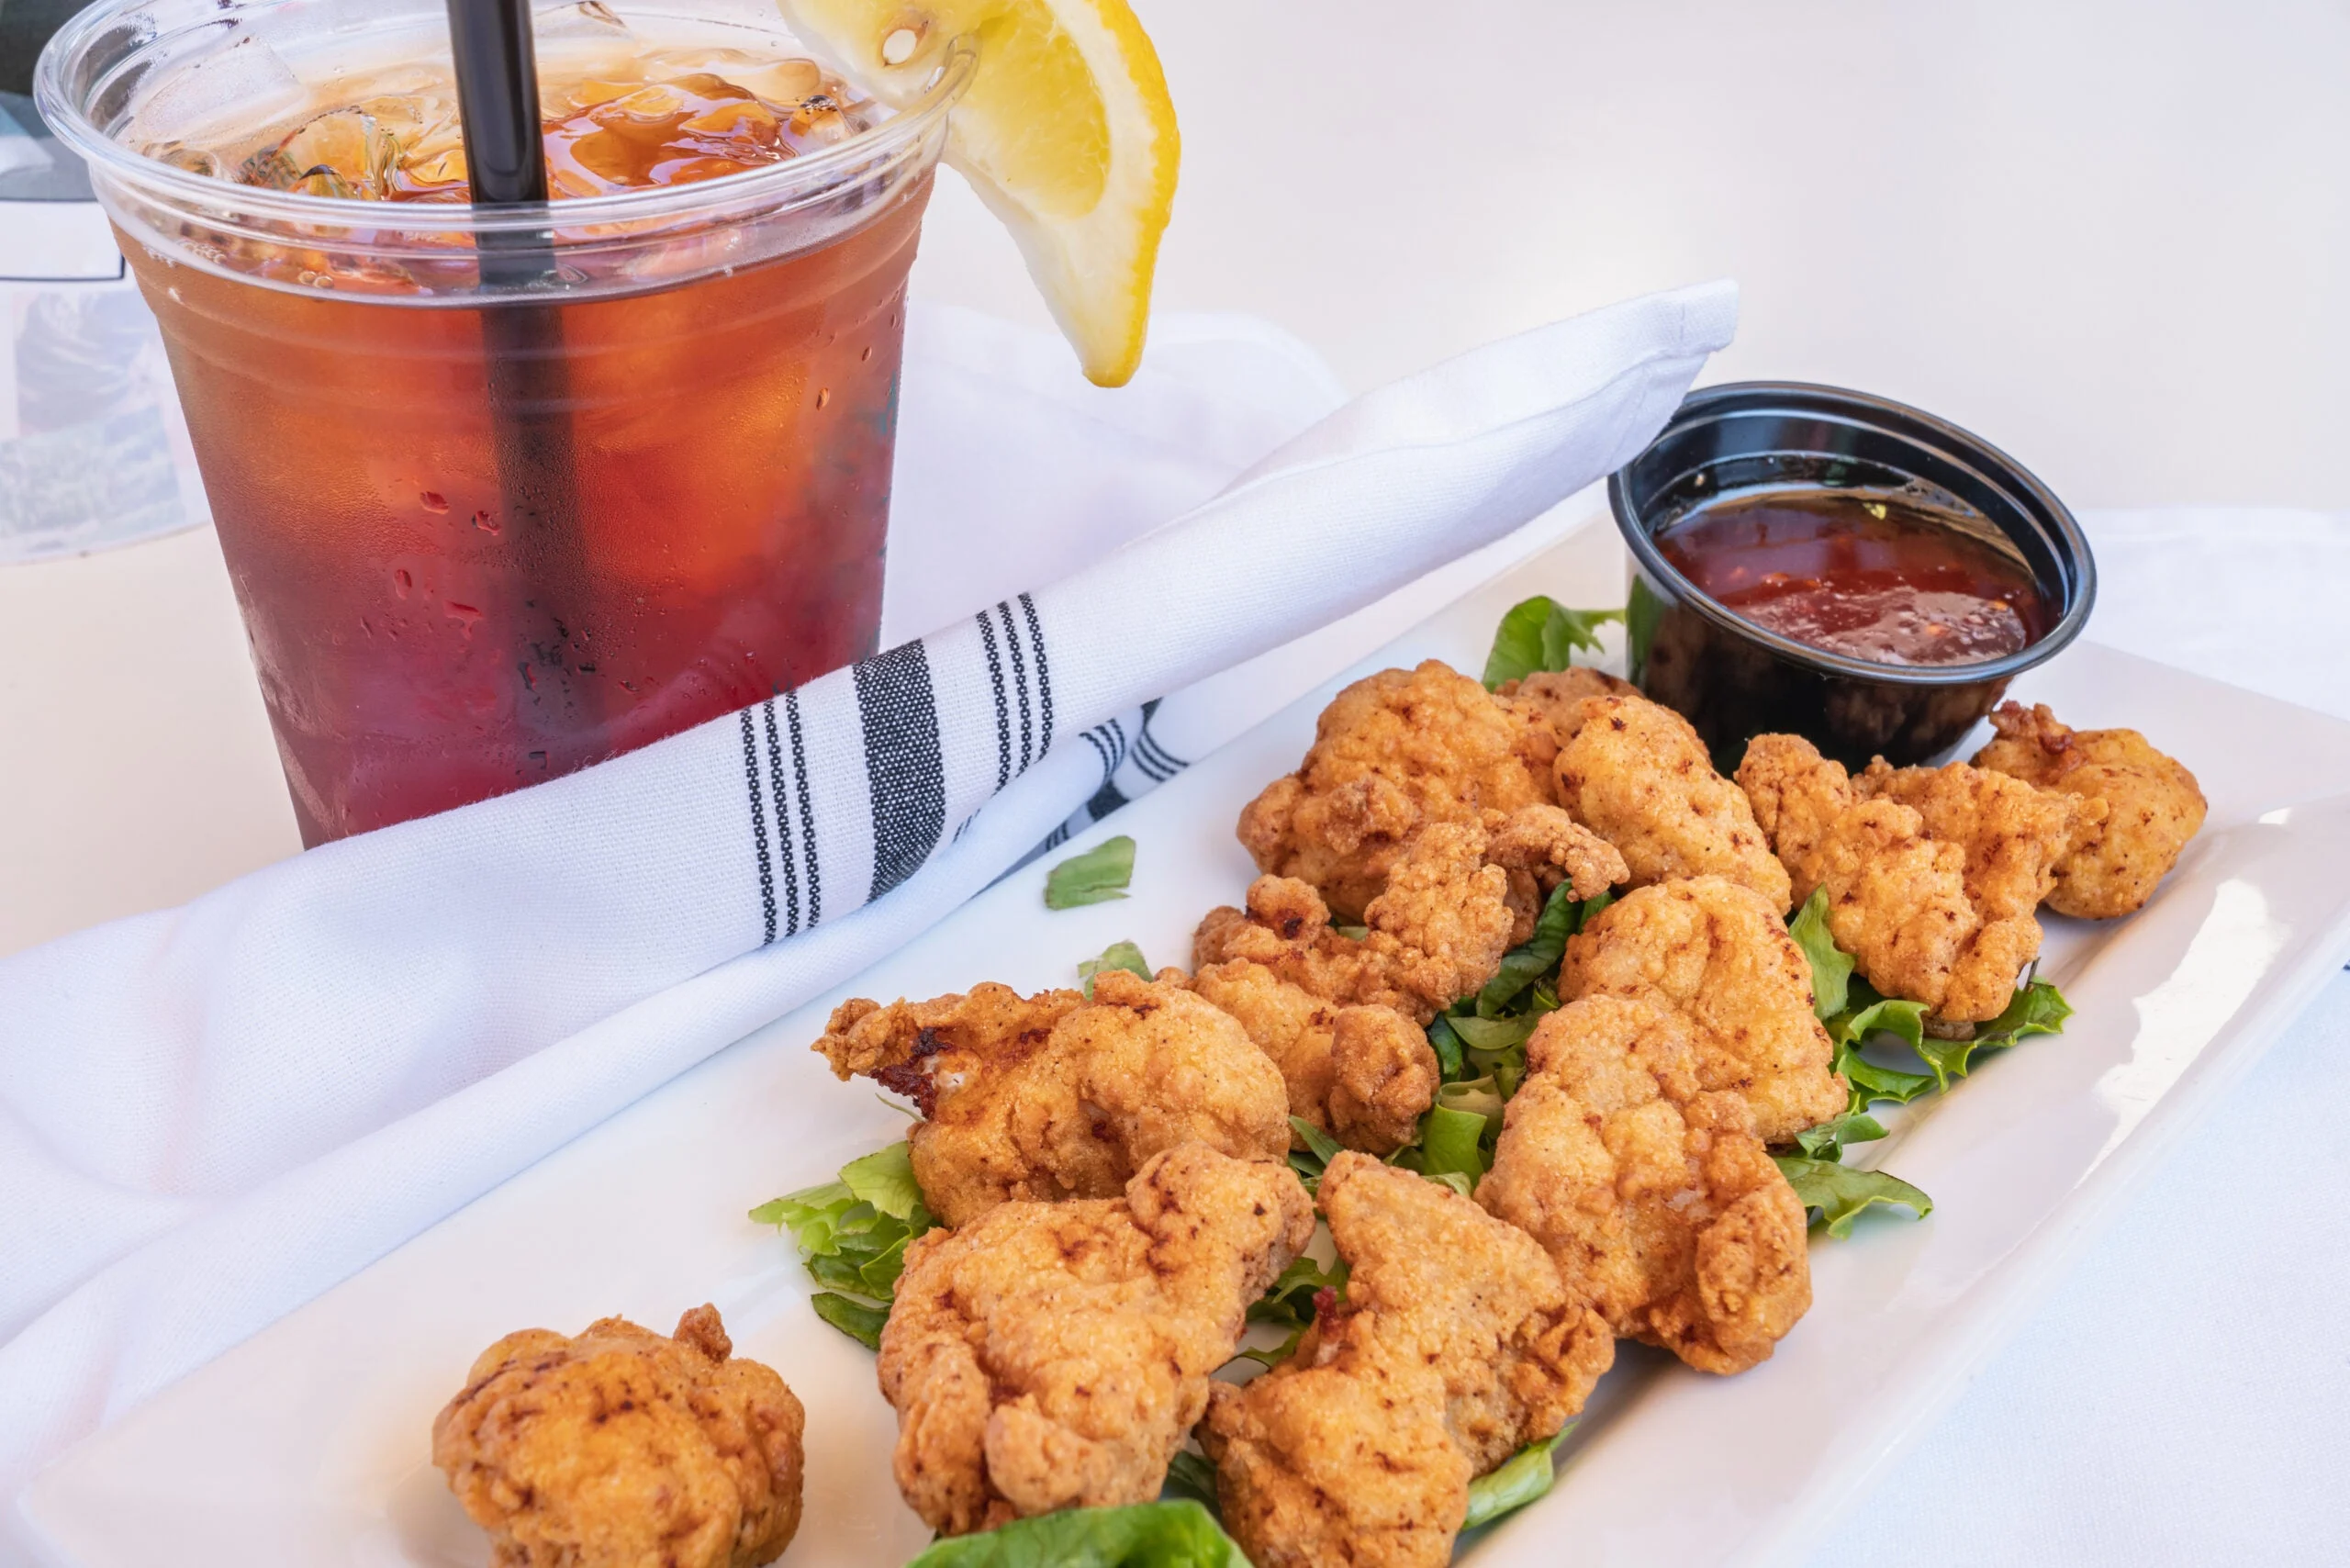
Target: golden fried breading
(1052, 1097)
(1435, 934)
(1311, 997)
(1717, 952)
(1053, 1355)
(622, 1449)
(2153, 806)
(1392, 754)
(1556, 697)
(1654, 1198)
(1636, 774)
(1935, 904)
(1364, 1075)
(1455, 1345)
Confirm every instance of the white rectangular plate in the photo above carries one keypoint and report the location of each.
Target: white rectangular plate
(309, 1443)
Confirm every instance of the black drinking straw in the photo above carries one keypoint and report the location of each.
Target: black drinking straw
(498, 99)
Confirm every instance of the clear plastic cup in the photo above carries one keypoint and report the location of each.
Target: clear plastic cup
(506, 492)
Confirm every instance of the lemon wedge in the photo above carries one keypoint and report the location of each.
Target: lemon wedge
(1067, 132)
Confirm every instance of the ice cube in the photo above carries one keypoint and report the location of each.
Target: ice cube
(346, 152)
(240, 85)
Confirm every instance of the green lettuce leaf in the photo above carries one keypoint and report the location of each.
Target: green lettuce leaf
(1116, 956)
(1827, 1140)
(1291, 1303)
(1831, 967)
(1523, 1477)
(2038, 1009)
(1450, 1139)
(1447, 1044)
(851, 1236)
(853, 1318)
(1310, 1161)
(886, 1180)
(1188, 1474)
(1102, 873)
(1540, 634)
(1493, 1035)
(1840, 1192)
(1642, 613)
(1180, 1534)
(1536, 957)
(1290, 1300)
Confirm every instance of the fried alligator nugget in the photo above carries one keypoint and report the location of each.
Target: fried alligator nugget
(1718, 953)
(1555, 696)
(1364, 1075)
(1933, 875)
(622, 1449)
(1051, 1097)
(1636, 774)
(1455, 1345)
(2152, 806)
(1343, 1017)
(1392, 754)
(1053, 1355)
(1654, 1198)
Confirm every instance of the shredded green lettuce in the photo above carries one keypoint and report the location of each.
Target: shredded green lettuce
(1188, 1474)
(1310, 1161)
(1540, 634)
(1102, 873)
(860, 1322)
(1858, 1021)
(1831, 967)
(1116, 956)
(851, 1234)
(1450, 1139)
(1537, 956)
(1180, 1534)
(1525, 1476)
(2038, 1009)
(1827, 1140)
(1291, 1305)
(1840, 1192)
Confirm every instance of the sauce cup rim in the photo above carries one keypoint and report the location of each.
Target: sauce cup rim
(1916, 428)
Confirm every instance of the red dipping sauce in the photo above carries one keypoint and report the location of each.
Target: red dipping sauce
(1862, 576)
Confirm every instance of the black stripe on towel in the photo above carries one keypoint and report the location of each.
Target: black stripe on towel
(782, 826)
(1156, 759)
(1107, 799)
(1044, 674)
(807, 816)
(1020, 683)
(1002, 709)
(759, 828)
(903, 765)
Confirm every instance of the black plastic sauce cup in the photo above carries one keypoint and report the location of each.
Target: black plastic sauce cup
(1735, 681)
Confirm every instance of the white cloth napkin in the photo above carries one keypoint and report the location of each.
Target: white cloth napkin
(209, 1115)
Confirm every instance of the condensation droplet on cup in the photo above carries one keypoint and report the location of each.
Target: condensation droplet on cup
(823, 396)
(867, 354)
(433, 500)
(402, 582)
(487, 523)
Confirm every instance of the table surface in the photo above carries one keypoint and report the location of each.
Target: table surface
(2107, 236)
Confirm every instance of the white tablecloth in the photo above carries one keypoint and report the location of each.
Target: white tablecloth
(2183, 1398)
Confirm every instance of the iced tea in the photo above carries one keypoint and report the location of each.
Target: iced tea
(482, 536)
